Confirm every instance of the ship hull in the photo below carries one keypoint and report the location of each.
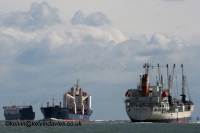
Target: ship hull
(12, 116)
(147, 115)
(179, 120)
(63, 114)
(19, 116)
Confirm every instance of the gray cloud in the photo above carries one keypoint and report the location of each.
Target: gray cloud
(36, 69)
(94, 19)
(39, 16)
(32, 56)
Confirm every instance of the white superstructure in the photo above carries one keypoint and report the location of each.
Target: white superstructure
(13, 109)
(77, 100)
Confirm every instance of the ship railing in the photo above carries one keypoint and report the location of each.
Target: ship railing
(24, 106)
(159, 109)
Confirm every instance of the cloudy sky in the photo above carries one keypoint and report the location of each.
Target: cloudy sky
(45, 46)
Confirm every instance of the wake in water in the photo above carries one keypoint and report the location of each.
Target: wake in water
(104, 121)
(128, 121)
(195, 122)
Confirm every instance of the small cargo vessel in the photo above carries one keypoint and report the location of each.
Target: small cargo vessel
(19, 112)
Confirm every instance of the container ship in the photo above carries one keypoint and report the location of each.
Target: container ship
(76, 106)
(19, 112)
(154, 102)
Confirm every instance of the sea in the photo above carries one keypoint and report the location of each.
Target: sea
(97, 126)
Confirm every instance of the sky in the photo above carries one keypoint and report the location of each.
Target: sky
(45, 46)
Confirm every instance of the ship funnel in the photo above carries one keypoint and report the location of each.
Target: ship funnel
(90, 102)
(72, 91)
(145, 87)
(80, 94)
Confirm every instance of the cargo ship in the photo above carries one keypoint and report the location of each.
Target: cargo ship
(76, 106)
(154, 102)
(19, 112)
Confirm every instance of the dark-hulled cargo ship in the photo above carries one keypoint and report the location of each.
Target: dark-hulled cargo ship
(19, 112)
(76, 106)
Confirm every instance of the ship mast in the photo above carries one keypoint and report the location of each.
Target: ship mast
(160, 81)
(183, 86)
(169, 80)
(172, 77)
(158, 74)
(169, 77)
(146, 67)
(162, 84)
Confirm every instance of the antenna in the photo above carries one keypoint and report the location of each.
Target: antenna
(77, 84)
(53, 101)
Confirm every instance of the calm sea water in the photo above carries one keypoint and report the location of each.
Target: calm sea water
(106, 127)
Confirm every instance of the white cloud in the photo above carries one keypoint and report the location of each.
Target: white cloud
(94, 19)
(55, 39)
(39, 16)
(165, 42)
(18, 35)
(103, 36)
